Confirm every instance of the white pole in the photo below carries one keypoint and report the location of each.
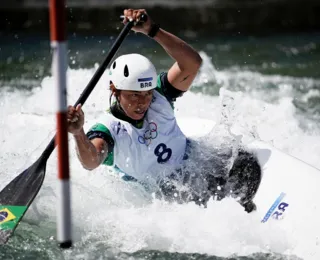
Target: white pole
(59, 66)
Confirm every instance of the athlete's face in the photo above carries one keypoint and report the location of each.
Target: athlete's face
(135, 103)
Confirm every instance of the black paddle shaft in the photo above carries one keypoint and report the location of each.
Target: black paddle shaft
(22, 190)
(87, 91)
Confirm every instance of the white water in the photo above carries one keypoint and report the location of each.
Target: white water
(122, 216)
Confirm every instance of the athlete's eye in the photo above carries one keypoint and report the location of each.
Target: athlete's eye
(133, 96)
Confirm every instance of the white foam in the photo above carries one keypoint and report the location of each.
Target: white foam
(124, 216)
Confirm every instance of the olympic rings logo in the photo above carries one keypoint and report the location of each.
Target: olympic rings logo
(149, 134)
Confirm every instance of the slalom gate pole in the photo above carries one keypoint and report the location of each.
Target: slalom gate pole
(59, 67)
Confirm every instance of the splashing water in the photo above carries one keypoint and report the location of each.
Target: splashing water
(112, 218)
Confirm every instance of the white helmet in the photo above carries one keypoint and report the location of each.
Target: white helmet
(133, 72)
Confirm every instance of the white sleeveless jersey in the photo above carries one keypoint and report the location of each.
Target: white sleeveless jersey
(144, 153)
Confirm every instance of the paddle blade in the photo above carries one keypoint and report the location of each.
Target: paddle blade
(18, 195)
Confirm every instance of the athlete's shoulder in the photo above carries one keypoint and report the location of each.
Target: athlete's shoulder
(165, 88)
(102, 124)
(105, 120)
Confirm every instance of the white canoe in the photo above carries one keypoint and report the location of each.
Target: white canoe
(289, 189)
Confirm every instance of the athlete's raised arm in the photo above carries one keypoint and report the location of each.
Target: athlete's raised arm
(91, 153)
(188, 61)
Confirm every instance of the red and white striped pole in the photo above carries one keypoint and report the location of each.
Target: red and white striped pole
(59, 67)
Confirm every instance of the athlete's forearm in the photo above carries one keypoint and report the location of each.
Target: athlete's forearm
(87, 153)
(187, 58)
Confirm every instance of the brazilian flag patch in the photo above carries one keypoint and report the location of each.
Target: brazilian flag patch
(6, 215)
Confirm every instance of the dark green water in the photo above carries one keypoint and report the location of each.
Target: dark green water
(298, 55)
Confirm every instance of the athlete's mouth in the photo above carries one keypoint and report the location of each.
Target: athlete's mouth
(140, 111)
